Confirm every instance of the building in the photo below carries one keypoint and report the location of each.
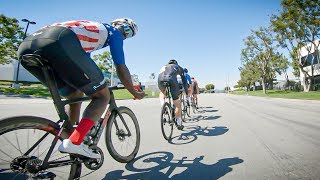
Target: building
(8, 72)
(310, 56)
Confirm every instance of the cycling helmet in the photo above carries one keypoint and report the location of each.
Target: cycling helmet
(172, 61)
(129, 27)
(185, 70)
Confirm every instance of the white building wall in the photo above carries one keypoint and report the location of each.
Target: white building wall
(8, 72)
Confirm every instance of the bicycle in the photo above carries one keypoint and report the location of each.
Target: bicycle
(185, 107)
(168, 114)
(194, 104)
(38, 156)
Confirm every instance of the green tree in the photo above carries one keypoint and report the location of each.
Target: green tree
(261, 54)
(248, 75)
(11, 35)
(209, 86)
(104, 62)
(297, 25)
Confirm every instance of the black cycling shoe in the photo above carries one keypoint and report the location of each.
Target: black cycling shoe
(180, 127)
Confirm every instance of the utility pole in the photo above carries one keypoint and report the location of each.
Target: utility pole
(16, 84)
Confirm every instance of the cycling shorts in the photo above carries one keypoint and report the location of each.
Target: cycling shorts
(174, 86)
(72, 66)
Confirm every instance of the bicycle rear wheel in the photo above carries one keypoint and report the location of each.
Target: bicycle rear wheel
(166, 121)
(122, 146)
(18, 135)
(183, 109)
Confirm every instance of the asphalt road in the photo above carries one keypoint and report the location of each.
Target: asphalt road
(234, 137)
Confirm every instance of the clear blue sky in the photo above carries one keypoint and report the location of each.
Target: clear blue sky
(205, 36)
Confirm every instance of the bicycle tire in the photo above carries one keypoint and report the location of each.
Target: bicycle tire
(16, 128)
(183, 109)
(188, 111)
(114, 152)
(166, 111)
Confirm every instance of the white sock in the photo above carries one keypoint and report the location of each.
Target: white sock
(161, 102)
(179, 121)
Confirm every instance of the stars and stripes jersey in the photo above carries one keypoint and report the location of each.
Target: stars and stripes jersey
(94, 36)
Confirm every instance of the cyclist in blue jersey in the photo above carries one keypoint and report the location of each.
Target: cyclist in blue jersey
(67, 47)
(189, 83)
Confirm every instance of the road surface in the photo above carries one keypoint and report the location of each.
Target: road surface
(233, 137)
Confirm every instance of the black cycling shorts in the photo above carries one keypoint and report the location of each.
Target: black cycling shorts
(174, 87)
(73, 68)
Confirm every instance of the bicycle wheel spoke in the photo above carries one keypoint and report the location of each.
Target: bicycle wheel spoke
(8, 141)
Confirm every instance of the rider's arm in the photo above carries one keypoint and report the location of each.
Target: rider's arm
(116, 49)
(125, 77)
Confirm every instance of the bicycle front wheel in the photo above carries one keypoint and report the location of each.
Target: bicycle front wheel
(123, 136)
(166, 121)
(18, 135)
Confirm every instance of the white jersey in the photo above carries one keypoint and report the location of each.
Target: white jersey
(92, 35)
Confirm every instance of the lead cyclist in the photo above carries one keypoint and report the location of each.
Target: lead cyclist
(67, 47)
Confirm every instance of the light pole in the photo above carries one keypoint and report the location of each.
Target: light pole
(16, 84)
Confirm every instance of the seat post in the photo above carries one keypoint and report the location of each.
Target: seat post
(52, 86)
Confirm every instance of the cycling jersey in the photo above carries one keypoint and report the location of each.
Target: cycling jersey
(168, 73)
(188, 78)
(94, 36)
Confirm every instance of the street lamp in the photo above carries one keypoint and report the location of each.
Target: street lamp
(16, 84)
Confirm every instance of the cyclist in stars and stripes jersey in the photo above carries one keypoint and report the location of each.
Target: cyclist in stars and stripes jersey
(67, 47)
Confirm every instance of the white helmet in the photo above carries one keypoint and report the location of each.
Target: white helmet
(128, 25)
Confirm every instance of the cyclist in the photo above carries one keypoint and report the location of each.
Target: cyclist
(168, 73)
(189, 94)
(195, 90)
(67, 47)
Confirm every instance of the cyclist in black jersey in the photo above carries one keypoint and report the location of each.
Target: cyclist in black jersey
(168, 73)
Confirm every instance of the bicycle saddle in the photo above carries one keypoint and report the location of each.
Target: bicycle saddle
(34, 60)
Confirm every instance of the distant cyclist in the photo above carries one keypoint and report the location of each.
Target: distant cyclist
(67, 47)
(168, 73)
(189, 94)
(195, 90)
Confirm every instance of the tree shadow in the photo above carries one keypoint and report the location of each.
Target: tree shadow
(191, 133)
(162, 165)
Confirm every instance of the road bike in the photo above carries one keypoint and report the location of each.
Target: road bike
(185, 107)
(168, 120)
(29, 143)
(194, 104)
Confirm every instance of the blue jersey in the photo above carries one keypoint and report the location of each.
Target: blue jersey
(115, 43)
(188, 78)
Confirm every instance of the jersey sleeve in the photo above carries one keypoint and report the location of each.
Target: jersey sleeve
(188, 78)
(116, 47)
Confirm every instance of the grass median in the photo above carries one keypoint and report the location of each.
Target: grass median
(41, 91)
(312, 95)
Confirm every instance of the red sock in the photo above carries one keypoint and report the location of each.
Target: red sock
(81, 131)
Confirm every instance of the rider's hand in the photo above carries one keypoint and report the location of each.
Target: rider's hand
(139, 95)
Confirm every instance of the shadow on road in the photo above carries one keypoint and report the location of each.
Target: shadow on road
(162, 165)
(191, 133)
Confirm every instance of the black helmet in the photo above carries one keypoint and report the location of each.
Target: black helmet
(185, 70)
(172, 61)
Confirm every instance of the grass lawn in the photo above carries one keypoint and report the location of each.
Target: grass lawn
(312, 95)
(41, 91)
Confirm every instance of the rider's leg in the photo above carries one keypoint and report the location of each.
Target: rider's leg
(74, 108)
(92, 113)
(162, 97)
(175, 91)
